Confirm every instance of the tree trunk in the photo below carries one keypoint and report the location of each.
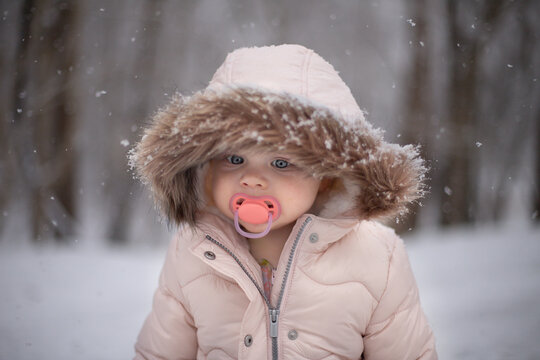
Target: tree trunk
(14, 80)
(143, 70)
(456, 206)
(43, 118)
(536, 184)
(522, 118)
(416, 119)
(20, 127)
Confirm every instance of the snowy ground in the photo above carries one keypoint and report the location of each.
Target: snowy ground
(480, 290)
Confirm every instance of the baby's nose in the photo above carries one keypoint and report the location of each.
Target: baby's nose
(254, 181)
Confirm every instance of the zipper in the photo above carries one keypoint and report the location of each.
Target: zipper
(273, 312)
(274, 317)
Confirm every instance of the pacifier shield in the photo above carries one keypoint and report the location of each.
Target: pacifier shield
(253, 213)
(255, 209)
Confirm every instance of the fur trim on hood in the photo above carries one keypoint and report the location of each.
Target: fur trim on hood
(372, 179)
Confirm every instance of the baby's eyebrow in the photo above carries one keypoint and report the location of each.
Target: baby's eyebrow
(282, 156)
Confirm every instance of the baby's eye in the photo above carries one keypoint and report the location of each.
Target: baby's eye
(235, 159)
(280, 163)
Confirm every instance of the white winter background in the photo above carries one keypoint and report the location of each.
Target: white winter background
(81, 245)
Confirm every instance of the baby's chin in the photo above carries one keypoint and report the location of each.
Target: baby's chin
(254, 228)
(259, 228)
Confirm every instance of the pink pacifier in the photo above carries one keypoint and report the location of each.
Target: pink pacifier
(254, 210)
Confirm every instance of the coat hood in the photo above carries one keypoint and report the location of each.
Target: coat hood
(277, 99)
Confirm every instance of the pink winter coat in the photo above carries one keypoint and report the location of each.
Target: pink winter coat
(343, 286)
(331, 305)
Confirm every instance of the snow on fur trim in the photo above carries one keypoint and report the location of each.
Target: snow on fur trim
(378, 179)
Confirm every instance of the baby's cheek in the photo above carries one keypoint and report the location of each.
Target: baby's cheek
(222, 191)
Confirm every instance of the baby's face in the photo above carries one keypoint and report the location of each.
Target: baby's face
(257, 174)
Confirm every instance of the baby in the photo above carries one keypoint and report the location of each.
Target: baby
(279, 181)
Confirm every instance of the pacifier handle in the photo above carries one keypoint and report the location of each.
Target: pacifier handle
(254, 210)
(252, 235)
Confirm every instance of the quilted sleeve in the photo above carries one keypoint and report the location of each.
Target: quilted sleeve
(169, 331)
(398, 328)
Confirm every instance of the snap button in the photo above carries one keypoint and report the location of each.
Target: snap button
(293, 334)
(248, 340)
(209, 255)
(313, 238)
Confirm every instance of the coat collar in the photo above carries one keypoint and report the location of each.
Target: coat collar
(324, 232)
(318, 234)
(321, 233)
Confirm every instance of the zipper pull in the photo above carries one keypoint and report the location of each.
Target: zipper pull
(274, 317)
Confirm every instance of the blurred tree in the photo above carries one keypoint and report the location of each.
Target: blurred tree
(459, 165)
(43, 115)
(10, 52)
(536, 178)
(536, 181)
(511, 109)
(141, 76)
(417, 100)
(457, 170)
(505, 102)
